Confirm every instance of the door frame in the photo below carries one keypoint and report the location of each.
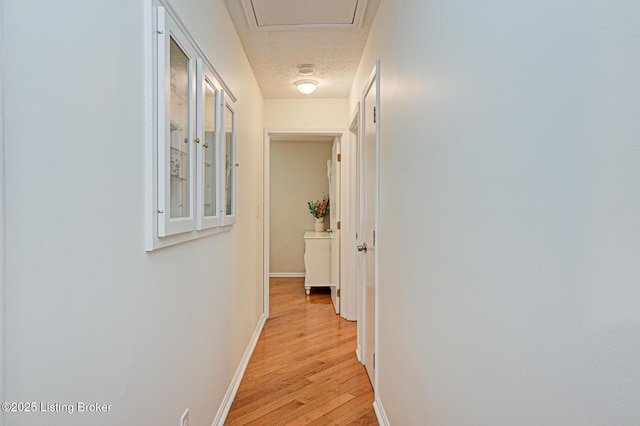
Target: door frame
(335, 193)
(266, 166)
(2, 222)
(352, 240)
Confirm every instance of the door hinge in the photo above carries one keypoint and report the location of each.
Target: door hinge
(338, 225)
(374, 237)
(339, 157)
(374, 360)
(160, 11)
(374, 114)
(338, 292)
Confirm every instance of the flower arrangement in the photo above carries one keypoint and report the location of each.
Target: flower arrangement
(319, 208)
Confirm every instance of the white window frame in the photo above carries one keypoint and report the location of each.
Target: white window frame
(228, 219)
(167, 30)
(161, 231)
(205, 76)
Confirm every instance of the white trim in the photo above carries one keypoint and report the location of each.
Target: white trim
(2, 220)
(357, 126)
(223, 411)
(167, 32)
(150, 217)
(287, 275)
(227, 219)
(380, 414)
(304, 132)
(203, 79)
(336, 237)
(170, 240)
(358, 353)
(377, 237)
(266, 155)
(358, 19)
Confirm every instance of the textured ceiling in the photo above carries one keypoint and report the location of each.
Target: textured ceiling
(279, 35)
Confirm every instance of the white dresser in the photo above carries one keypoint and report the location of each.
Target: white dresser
(317, 259)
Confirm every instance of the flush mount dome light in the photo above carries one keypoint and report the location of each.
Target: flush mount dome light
(306, 87)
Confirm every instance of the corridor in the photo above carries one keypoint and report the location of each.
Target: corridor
(304, 368)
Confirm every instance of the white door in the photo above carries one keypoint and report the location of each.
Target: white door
(367, 238)
(334, 197)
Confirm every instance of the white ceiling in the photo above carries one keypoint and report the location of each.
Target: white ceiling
(279, 35)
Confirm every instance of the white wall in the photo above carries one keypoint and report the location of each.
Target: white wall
(298, 175)
(306, 113)
(509, 176)
(90, 315)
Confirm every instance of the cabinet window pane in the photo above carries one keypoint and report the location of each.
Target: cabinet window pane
(210, 150)
(179, 116)
(229, 160)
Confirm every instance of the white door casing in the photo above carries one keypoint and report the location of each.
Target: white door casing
(335, 212)
(268, 135)
(2, 225)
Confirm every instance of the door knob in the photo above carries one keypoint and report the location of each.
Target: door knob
(363, 247)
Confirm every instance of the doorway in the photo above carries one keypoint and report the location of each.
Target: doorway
(271, 136)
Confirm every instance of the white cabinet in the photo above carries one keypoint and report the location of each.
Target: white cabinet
(317, 259)
(194, 157)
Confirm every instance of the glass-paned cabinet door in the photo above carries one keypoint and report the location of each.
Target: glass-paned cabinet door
(207, 103)
(229, 149)
(176, 150)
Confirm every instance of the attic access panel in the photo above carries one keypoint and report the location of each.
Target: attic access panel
(271, 15)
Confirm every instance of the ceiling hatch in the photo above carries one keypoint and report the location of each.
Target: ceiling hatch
(274, 15)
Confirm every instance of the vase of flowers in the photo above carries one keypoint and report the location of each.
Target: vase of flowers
(319, 210)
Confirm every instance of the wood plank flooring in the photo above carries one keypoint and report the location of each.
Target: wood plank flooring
(304, 369)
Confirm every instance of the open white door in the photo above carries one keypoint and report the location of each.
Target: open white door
(369, 221)
(334, 197)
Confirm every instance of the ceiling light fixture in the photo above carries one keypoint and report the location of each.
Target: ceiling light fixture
(306, 87)
(305, 69)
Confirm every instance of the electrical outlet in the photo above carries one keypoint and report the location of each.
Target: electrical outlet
(184, 420)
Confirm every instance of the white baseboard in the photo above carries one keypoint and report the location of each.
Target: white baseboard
(380, 414)
(223, 411)
(286, 275)
(358, 354)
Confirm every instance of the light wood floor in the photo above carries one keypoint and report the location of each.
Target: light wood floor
(304, 368)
